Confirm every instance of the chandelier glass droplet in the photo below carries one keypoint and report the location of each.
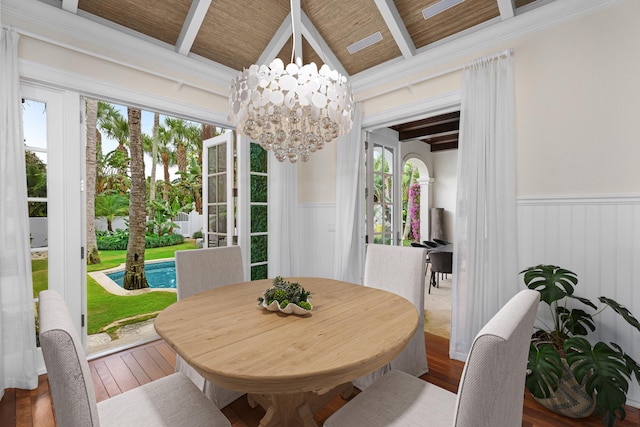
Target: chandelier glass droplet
(293, 110)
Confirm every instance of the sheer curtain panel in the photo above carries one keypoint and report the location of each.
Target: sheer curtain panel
(485, 267)
(17, 329)
(283, 219)
(348, 257)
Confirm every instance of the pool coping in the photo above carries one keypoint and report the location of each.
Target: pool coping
(112, 287)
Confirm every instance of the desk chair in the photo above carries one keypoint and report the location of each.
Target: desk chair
(197, 271)
(169, 401)
(491, 391)
(400, 270)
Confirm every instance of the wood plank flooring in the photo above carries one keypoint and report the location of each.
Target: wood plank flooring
(117, 373)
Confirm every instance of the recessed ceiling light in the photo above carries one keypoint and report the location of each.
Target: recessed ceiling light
(365, 42)
(441, 6)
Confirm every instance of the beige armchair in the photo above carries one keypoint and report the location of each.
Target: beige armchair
(400, 270)
(491, 390)
(170, 401)
(197, 271)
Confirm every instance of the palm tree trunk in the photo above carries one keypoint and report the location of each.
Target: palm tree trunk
(93, 256)
(165, 165)
(134, 276)
(154, 157)
(181, 158)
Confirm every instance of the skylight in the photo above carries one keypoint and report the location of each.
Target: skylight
(439, 7)
(365, 42)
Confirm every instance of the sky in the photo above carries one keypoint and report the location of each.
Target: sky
(35, 133)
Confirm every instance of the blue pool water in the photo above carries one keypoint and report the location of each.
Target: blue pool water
(159, 275)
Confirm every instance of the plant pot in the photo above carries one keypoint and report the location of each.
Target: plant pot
(571, 398)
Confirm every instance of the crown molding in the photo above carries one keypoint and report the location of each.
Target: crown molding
(78, 30)
(88, 86)
(485, 36)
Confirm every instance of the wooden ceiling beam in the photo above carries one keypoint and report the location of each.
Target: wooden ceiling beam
(191, 26)
(438, 129)
(444, 146)
(441, 139)
(321, 47)
(507, 9)
(396, 26)
(419, 124)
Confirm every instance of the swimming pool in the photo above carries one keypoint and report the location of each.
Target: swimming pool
(159, 275)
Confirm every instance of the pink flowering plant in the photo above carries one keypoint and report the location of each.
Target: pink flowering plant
(414, 211)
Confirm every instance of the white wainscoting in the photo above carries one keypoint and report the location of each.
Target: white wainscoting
(317, 237)
(598, 238)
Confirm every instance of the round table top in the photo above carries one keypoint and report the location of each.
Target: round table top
(231, 341)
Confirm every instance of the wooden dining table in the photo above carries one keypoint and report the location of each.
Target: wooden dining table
(291, 365)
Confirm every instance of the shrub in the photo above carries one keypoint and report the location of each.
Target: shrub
(197, 235)
(119, 239)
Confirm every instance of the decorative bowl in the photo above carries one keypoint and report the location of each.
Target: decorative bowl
(291, 308)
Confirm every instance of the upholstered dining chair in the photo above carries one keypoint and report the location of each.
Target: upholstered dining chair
(441, 263)
(170, 401)
(197, 271)
(400, 270)
(491, 390)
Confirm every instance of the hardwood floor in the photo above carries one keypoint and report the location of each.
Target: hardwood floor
(123, 371)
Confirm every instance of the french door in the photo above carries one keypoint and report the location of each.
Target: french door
(218, 210)
(384, 205)
(54, 155)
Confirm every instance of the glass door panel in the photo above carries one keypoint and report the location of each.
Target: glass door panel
(382, 160)
(219, 227)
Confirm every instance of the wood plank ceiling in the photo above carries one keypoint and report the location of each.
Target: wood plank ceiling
(238, 33)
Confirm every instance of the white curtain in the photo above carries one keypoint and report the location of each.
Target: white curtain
(283, 218)
(485, 270)
(348, 248)
(17, 328)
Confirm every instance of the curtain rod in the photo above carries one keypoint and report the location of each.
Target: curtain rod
(505, 53)
(178, 82)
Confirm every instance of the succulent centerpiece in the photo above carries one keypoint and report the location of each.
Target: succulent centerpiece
(287, 297)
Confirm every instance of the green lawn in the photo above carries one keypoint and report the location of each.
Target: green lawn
(104, 308)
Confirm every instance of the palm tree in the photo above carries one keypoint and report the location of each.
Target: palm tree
(110, 205)
(184, 136)
(117, 127)
(93, 256)
(168, 157)
(134, 276)
(154, 161)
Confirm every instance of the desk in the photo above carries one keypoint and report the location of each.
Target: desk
(291, 365)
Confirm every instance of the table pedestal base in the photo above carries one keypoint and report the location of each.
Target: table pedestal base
(295, 409)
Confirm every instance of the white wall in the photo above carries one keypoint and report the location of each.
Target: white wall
(445, 183)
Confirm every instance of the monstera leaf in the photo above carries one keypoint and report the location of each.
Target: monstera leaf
(544, 370)
(609, 378)
(553, 282)
(576, 321)
(622, 311)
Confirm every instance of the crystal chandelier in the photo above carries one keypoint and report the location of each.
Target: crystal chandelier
(293, 110)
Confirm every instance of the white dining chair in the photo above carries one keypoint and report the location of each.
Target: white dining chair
(200, 270)
(400, 270)
(170, 401)
(491, 390)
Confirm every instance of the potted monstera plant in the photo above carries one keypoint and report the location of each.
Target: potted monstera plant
(567, 373)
